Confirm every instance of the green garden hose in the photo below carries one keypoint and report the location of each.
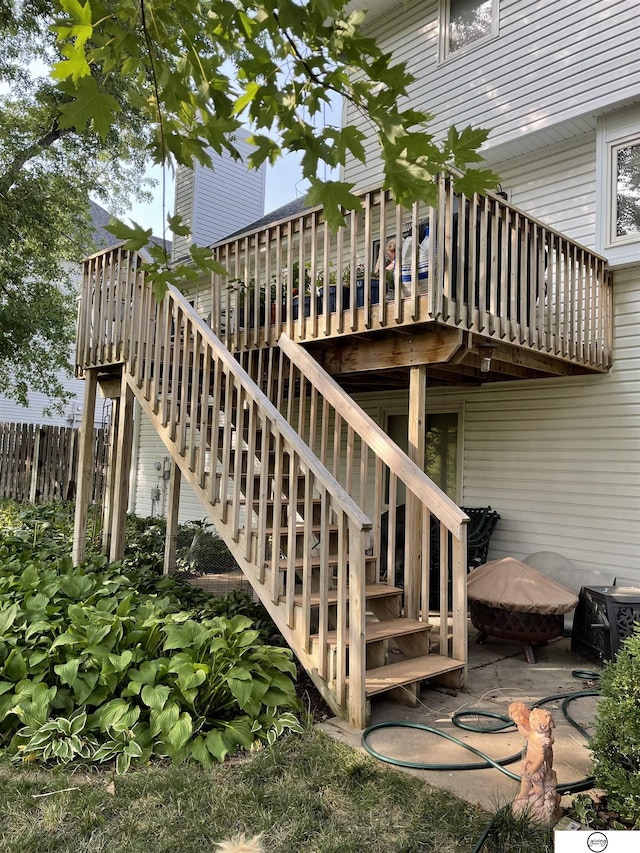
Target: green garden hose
(503, 722)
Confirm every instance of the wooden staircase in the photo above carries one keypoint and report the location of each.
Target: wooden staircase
(277, 483)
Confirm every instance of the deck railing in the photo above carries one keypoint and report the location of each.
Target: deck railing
(284, 475)
(478, 264)
(378, 475)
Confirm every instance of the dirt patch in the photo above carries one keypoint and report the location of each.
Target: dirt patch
(310, 697)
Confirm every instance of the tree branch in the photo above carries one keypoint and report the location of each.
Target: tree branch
(10, 176)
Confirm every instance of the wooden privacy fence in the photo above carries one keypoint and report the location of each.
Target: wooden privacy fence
(39, 464)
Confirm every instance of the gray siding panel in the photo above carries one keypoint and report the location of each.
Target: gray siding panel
(552, 63)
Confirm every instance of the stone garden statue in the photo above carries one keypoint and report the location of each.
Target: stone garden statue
(538, 797)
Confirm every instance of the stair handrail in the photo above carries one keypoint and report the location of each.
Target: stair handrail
(414, 477)
(350, 507)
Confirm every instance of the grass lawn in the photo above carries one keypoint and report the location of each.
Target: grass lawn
(306, 792)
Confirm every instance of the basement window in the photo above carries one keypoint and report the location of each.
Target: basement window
(465, 24)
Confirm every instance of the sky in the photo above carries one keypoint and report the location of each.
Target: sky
(283, 184)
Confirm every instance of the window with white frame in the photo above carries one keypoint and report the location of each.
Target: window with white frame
(465, 23)
(625, 191)
(618, 186)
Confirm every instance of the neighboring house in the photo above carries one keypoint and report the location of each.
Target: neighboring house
(38, 409)
(500, 353)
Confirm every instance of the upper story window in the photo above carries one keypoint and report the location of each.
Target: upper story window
(465, 23)
(625, 215)
(618, 186)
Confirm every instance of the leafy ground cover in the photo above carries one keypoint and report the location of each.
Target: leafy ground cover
(303, 790)
(98, 664)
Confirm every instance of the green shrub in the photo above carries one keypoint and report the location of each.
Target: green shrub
(96, 666)
(616, 743)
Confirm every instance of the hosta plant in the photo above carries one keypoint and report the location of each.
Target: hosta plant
(93, 669)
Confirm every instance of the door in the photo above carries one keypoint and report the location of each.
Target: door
(442, 453)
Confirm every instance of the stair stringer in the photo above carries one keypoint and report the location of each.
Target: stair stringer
(150, 387)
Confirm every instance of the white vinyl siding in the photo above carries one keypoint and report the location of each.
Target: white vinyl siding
(151, 452)
(557, 185)
(559, 459)
(553, 68)
(12, 412)
(217, 201)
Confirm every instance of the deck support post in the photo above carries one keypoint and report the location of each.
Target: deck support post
(109, 486)
(416, 449)
(357, 616)
(120, 496)
(85, 468)
(171, 536)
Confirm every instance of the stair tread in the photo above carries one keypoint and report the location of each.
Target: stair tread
(392, 675)
(385, 630)
(314, 561)
(372, 590)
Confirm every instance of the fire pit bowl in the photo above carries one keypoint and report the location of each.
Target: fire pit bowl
(513, 601)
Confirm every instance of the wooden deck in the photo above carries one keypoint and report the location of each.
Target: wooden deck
(255, 413)
(493, 293)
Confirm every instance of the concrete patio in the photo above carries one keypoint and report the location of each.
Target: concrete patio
(498, 674)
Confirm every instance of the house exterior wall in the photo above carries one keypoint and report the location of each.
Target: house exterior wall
(38, 402)
(151, 453)
(217, 201)
(559, 459)
(551, 71)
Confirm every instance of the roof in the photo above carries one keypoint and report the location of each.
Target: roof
(100, 219)
(103, 238)
(291, 208)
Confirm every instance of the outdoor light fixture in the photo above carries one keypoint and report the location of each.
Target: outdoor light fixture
(485, 364)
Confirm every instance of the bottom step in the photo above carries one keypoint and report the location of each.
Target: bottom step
(392, 675)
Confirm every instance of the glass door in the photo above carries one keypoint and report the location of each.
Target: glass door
(441, 448)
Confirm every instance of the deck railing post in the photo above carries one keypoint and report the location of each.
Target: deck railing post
(357, 614)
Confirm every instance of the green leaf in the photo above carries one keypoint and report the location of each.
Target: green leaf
(15, 666)
(89, 106)
(123, 762)
(336, 197)
(161, 722)
(217, 745)
(111, 713)
(180, 733)
(239, 731)
(7, 618)
(177, 225)
(78, 722)
(200, 751)
(68, 671)
(135, 237)
(155, 697)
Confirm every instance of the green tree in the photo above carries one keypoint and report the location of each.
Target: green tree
(201, 69)
(171, 79)
(46, 174)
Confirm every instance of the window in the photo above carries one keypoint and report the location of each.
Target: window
(618, 187)
(443, 450)
(625, 195)
(465, 23)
